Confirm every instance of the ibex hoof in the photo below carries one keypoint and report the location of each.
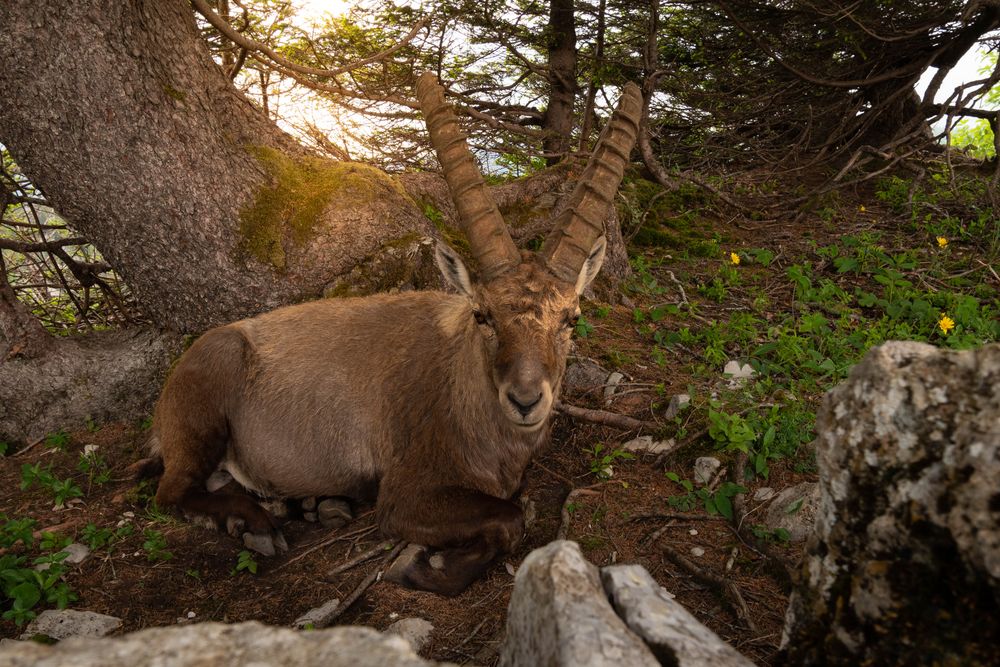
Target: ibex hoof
(267, 545)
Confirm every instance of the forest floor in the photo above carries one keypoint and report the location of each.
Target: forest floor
(798, 300)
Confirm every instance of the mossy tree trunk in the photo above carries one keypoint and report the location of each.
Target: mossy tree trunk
(208, 210)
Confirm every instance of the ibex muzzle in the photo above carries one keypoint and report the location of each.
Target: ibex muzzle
(438, 401)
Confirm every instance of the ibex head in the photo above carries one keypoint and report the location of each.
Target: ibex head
(525, 305)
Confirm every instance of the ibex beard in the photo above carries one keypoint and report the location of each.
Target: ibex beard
(433, 403)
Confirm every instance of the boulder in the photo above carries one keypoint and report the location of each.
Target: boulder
(416, 631)
(904, 565)
(222, 645)
(64, 623)
(671, 632)
(560, 615)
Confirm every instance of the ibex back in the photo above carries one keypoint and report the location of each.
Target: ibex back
(437, 401)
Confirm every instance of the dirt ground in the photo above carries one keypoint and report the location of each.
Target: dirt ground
(613, 521)
(626, 519)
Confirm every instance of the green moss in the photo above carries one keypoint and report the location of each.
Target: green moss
(451, 235)
(287, 209)
(174, 93)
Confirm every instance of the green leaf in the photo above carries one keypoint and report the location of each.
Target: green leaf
(795, 506)
(724, 505)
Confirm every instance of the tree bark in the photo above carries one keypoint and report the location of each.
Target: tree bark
(208, 210)
(562, 80)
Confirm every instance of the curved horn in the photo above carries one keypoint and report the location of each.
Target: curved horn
(581, 223)
(479, 216)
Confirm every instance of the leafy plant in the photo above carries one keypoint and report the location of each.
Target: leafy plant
(61, 489)
(601, 459)
(245, 562)
(155, 546)
(58, 440)
(95, 467)
(96, 538)
(25, 587)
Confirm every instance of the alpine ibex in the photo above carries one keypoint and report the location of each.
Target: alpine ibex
(438, 401)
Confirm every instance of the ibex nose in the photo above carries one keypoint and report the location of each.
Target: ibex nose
(524, 400)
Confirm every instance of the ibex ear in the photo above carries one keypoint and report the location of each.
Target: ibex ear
(453, 269)
(593, 264)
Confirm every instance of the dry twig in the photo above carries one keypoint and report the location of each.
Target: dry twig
(720, 585)
(362, 557)
(606, 418)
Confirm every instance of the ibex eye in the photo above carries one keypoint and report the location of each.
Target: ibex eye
(481, 317)
(571, 322)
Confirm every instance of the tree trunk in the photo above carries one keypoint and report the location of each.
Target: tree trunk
(562, 80)
(208, 210)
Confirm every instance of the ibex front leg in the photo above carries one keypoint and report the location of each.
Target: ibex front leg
(455, 533)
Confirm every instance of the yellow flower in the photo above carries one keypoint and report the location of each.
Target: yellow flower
(942, 242)
(862, 208)
(734, 258)
(946, 323)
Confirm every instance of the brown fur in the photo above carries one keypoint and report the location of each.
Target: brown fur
(408, 392)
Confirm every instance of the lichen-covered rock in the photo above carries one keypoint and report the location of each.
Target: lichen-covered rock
(222, 645)
(794, 511)
(904, 567)
(674, 635)
(560, 615)
(65, 623)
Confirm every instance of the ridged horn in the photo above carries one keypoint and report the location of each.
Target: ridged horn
(478, 213)
(580, 224)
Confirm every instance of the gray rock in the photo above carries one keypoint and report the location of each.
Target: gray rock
(904, 566)
(677, 403)
(584, 377)
(560, 615)
(309, 504)
(794, 509)
(645, 444)
(705, 468)
(334, 513)
(738, 373)
(63, 623)
(416, 631)
(77, 553)
(222, 645)
(317, 617)
(674, 635)
(763, 494)
(278, 507)
(611, 386)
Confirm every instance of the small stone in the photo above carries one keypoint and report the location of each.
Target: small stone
(764, 493)
(511, 570)
(738, 373)
(697, 551)
(677, 403)
(128, 515)
(794, 510)
(611, 386)
(62, 623)
(309, 504)
(645, 444)
(191, 614)
(90, 449)
(334, 513)
(705, 468)
(416, 631)
(693, 531)
(311, 517)
(217, 480)
(584, 377)
(77, 553)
